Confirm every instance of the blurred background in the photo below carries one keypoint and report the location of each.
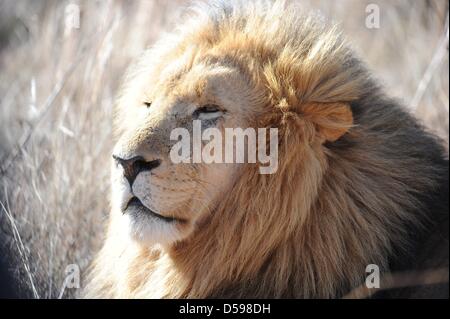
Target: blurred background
(61, 63)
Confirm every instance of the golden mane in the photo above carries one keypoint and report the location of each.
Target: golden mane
(336, 204)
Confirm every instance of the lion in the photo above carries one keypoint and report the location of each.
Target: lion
(359, 181)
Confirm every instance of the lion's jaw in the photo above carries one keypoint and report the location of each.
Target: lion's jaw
(174, 213)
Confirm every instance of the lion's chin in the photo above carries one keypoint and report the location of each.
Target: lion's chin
(149, 228)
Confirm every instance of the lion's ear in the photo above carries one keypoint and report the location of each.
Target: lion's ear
(332, 120)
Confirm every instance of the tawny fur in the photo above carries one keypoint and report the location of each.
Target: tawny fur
(344, 195)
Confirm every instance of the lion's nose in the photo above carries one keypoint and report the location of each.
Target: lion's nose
(133, 166)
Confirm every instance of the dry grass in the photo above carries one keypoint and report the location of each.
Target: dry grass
(57, 87)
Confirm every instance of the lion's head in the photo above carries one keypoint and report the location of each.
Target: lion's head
(337, 201)
(225, 77)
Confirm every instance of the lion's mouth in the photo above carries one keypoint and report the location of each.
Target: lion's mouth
(135, 206)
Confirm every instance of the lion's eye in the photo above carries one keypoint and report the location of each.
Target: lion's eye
(208, 112)
(147, 104)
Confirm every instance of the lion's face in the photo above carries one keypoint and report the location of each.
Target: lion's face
(223, 80)
(161, 201)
